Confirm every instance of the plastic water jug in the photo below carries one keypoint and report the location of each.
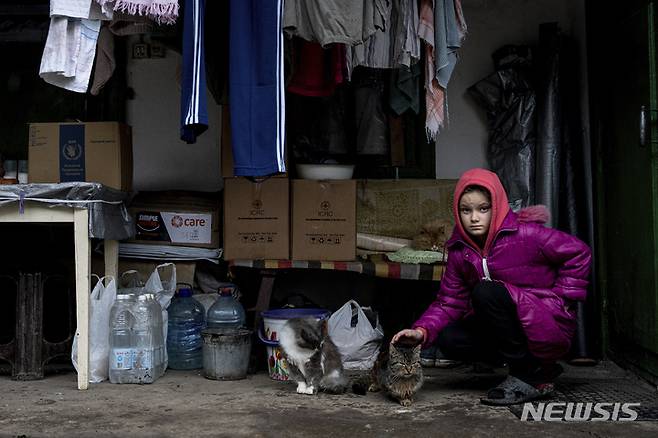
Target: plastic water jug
(147, 340)
(227, 312)
(184, 342)
(122, 339)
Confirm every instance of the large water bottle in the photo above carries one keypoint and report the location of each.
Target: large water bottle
(227, 312)
(121, 340)
(158, 335)
(184, 343)
(144, 341)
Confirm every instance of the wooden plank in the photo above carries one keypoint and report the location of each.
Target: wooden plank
(111, 258)
(82, 288)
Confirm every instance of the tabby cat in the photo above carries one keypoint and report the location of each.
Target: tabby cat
(314, 361)
(398, 372)
(433, 235)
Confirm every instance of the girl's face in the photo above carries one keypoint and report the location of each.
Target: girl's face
(475, 214)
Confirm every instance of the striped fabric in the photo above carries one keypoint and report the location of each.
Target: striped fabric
(194, 104)
(383, 269)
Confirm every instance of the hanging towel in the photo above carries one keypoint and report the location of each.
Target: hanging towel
(79, 9)
(161, 11)
(443, 28)
(69, 53)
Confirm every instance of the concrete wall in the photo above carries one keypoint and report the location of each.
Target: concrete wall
(492, 24)
(161, 160)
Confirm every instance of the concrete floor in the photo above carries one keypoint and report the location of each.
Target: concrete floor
(186, 404)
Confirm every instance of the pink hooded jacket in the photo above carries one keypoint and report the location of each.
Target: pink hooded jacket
(545, 271)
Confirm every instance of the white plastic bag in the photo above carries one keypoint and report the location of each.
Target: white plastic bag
(356, 338)
(100, 303)
(164, 289)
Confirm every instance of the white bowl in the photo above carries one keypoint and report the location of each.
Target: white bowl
(325, 171)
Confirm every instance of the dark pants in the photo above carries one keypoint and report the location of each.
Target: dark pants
(493, 334)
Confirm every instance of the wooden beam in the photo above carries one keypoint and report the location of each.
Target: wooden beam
(82, 289)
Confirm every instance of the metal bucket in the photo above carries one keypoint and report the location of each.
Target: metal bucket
(226, 353)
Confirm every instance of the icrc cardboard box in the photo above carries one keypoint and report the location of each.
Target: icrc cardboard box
(323, 220)
(256, 219)
(94, 152)
(178, 218)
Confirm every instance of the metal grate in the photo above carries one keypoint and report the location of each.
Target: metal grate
(617, 390)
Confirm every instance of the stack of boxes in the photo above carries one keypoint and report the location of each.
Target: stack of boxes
(274, 218)
(281, 219)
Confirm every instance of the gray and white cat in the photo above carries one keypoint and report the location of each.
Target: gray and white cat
(398, 372)
(314, 361)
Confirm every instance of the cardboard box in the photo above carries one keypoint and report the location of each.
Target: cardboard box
(226, 150)
(177, 218)
(323, 220)
(256, 219)
(400, 208)
(94, 152)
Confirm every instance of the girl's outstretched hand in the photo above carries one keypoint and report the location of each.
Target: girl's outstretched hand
(410, 337)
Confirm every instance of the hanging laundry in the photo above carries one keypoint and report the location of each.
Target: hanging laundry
(334, 21)
(161, 11)
(404, 89)
(125, 24)
(256, 90)
(394, 45)
(194, 103)
(443, 28)
(216, 43)
(371, 120)
(316, 71)
(87, 9)
(105, 62)
(68, 55)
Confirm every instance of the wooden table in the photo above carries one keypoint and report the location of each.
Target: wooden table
(36, 212)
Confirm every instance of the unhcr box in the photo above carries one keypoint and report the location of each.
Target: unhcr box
(323, 220)
(93, 152)
(256, 219)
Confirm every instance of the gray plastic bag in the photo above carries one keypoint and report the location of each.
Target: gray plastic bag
(357, 338)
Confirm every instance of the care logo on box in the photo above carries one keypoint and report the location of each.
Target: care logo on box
(188, 227)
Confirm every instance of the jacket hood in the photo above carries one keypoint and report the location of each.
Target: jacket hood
(499, 203)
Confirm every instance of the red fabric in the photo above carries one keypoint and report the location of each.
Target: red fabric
(317, 71)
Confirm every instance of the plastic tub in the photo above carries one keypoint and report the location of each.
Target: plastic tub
(273, 321)
(325, 171)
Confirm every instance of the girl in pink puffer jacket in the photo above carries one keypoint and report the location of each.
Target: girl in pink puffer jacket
(508, 293)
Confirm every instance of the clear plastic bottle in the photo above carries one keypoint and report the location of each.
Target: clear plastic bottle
(122, 340)
(158, 336)
(144, 341)
(184, 343)
(227, 312)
